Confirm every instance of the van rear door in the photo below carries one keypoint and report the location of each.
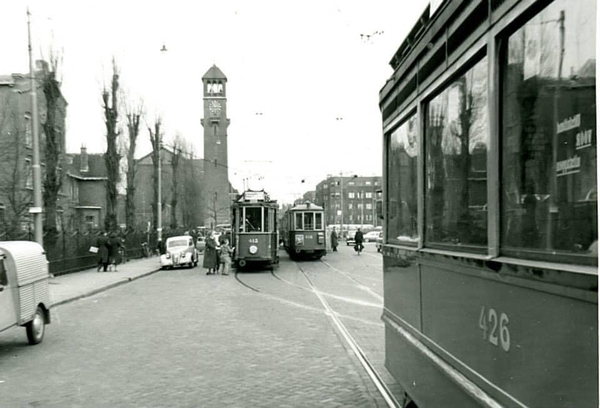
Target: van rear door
(8, 310)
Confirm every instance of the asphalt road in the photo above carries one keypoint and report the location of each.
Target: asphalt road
(181, 338)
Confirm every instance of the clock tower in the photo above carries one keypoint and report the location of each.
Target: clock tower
(216, 201)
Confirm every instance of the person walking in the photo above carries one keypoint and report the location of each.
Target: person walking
(210, 254)
(102, 245)
(225, 255)
(114, 243)
(160, 247)
(334, 240)
(358, 241)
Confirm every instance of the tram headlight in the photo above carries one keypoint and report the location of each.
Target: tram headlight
(253, 249)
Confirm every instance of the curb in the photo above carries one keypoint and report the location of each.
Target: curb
(103, 288)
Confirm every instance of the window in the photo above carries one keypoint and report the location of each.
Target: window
(309, 224)
(351, 194)
(349, 206)
(28, 130)
(456, 147)
(28, 174)
(367, 183)
(402, 182)
(3, 273)
(318, 221)
(351, 183)
(253, 219)
(549, 190)
(298, 221)
(359, 206)
(368, 194)
(369, 206)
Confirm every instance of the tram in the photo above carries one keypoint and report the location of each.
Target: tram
(304, 231)
(490, 253)
(254, 230)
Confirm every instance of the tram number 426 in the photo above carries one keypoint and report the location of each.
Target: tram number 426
(495, 328)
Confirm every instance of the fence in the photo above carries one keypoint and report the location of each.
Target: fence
(69, 252)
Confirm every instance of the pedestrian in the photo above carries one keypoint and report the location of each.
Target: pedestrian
(210, 261)
(114, 244)
(102, 245)
(334, 240)
(358, 241)
(160, 247)
(225, 255)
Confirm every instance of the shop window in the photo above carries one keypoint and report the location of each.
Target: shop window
(402, 182)
(549, 191)
(457, 138)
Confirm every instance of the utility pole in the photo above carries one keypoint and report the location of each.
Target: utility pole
(341, 203)
(159, 204)
(36, 210)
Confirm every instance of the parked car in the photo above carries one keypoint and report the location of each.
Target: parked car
(180, 251)
(24, 289)
(371, 236)
(201, 244)
(379, 241)
(350, 237)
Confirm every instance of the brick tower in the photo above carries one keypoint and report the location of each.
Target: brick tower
(215, 123)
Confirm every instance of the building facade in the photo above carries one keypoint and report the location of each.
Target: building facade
(216, 191)
(349, 200)
(16, 149)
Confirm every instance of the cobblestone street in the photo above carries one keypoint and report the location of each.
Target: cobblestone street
(181, 338)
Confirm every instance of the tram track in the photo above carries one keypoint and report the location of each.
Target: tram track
(356, 349)
(335, 320)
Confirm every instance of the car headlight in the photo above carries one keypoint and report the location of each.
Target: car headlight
(253, 249)
(168, 255)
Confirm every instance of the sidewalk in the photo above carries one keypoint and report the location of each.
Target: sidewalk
(73, 286)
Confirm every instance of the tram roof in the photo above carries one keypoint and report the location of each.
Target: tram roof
(254, 196)
(306, 206)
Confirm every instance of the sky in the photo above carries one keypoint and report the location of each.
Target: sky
(302, 90)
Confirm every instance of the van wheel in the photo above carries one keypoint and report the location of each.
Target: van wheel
(36, 328)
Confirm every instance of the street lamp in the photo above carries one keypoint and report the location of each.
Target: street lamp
(36, 210)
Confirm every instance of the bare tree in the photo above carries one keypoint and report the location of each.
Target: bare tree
(133, 114)
(156, 141)
(53, 127)
(191, 195)
(14, 170)
(178, 147)
(112, 156)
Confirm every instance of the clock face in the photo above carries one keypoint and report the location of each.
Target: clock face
(214, 106)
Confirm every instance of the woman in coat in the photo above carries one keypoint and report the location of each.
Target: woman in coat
(211, 254)
(102, 245)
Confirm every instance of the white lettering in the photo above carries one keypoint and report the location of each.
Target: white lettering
(568, 166)
(568, 124)
(583, 139)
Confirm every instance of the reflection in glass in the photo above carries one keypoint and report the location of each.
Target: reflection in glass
(456, 158)
(402, 183)
(549, 131)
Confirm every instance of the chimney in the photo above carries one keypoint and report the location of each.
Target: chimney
(83, 160)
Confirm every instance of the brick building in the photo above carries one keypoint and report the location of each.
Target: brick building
(16, 149)
(355, 195)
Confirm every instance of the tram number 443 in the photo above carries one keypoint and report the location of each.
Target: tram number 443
(495, 328)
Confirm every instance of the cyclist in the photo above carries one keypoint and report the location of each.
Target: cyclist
(358, 241)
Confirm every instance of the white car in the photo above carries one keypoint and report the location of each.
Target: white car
(180, 251)
(371, 236)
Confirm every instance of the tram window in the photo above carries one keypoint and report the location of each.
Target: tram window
(253, 221)
(456, 161)
(402, 183)
(549, 200)
(318, 221)
(299, 221)
(309, 224)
